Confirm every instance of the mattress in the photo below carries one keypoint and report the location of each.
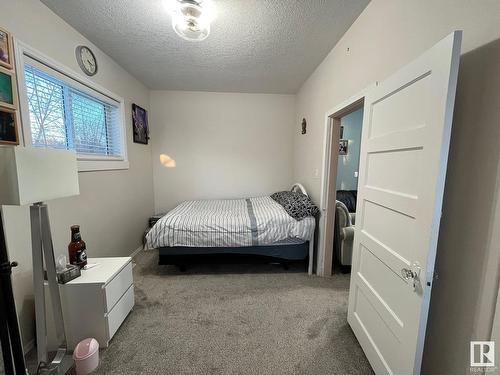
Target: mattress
(259, 221)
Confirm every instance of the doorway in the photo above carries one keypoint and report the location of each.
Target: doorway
(341, 165)
(346, 189)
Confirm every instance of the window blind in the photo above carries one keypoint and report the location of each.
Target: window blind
(67, 114)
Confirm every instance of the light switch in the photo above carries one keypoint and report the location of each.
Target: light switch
(316, 173)
(356, 174)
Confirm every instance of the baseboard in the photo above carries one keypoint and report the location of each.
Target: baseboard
(136, 251)
(29, 346)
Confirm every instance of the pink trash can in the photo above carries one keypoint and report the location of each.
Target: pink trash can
(86, 356)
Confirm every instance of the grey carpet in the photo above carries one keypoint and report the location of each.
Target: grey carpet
(234, 320)
(231, 319)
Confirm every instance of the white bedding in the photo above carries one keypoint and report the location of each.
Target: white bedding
(229, 223)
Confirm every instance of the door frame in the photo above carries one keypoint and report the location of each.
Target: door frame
(329, 177)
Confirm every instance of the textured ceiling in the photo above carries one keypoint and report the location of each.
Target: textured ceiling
(265, 46)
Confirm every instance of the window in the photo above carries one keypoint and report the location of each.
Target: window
(61, 112)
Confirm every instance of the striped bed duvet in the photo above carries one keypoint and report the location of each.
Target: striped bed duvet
(257, 221)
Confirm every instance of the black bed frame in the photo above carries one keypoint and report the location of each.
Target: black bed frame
(219, 255)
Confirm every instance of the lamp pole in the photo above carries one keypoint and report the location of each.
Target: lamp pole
(10, 336)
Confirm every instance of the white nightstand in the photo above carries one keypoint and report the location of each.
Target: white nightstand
(96, 303)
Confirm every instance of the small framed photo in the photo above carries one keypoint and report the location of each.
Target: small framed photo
(5, 49)
(7, 89)
(140, 124)
(8, 127)
(343, 145)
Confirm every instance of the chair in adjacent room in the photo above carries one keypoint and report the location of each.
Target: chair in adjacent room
(345, 217)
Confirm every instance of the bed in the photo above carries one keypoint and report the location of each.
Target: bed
(252, 227)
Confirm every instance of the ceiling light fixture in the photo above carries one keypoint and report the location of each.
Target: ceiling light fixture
(191, 18)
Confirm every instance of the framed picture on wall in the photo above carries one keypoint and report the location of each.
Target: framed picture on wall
(8, 127)
(5, 49)
(7, 89)
(140, 124)
(343, 145)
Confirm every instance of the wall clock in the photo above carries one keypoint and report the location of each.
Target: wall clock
(86, 59)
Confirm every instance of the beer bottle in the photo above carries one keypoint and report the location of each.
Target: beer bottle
(77, 248)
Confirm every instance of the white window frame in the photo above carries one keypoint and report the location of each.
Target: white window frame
(86, 163)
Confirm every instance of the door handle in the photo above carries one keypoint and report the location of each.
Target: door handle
(407, 274)
(413, 274)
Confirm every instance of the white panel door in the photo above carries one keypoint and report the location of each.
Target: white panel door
(405, 141)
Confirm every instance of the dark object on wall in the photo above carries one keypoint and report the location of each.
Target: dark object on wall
(10, 337)
(304, 126)
(343, 145)
(140, 124)
(8, 127)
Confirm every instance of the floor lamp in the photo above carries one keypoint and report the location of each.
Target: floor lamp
(31, 176)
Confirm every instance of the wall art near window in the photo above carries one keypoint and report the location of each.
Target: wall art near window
(5, 49)
(7, 89)
(343, 145)
(8, 127)
(140, 124)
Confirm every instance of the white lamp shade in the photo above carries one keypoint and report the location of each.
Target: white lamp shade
(30, 175)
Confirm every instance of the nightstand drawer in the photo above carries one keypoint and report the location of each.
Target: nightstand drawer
(118, 286)
(120, 311)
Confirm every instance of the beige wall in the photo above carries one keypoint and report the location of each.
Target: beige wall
(226, 145)
(388, 34)
(468, 260)
(113, 206)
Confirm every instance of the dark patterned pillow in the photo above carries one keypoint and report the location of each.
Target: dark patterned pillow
(297, 205)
